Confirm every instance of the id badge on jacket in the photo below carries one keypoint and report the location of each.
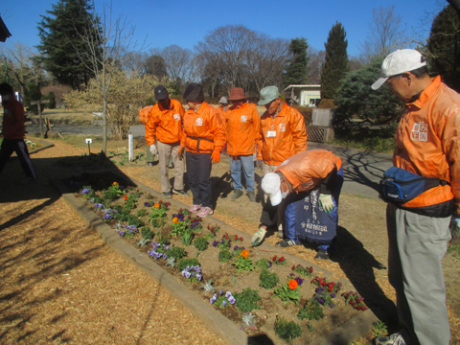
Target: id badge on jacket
(271, 134)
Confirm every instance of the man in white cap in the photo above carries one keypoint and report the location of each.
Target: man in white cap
(283, 135)
(427, 144)
(310, 183)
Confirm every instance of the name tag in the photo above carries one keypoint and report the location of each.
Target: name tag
(244, 118)
(176, 117)
(199, 121)
(271, 134)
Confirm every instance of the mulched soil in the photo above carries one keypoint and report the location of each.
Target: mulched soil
(61, 284)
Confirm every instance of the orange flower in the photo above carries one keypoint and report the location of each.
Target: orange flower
(175, 220)
(293, 284)
(125, 197)
(157, 205)
(244, 253)
(115, 183)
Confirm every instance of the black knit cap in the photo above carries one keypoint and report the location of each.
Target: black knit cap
(194, 93)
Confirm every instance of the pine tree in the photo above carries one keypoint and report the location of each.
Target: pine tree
(64, 36)
(444, 47)
(297, 69)
(335, 64)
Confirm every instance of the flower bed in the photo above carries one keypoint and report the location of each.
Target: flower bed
(258, 289)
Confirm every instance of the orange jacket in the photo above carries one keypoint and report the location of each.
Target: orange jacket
(203, 130)
(283, 135)
(243, 129)
(308, 169)
(144, 114)
(428, 143)
(165, 125)
(13, 120)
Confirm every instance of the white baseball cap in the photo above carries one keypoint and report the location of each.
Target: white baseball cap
(398, 62)
(271, 185)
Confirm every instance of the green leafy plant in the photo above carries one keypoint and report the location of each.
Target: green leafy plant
(187, 237)
(311, 310)
(289, 292)
(177, 253)
(142, 212)
(184, 262)
(158, 214)
(112, 193)
(268, 280)
(326, 291)
(247, 300)
(243, 261)
(305, 271)
(201, 243)
(287, 330)
(263, 263)
(146, 233)
(224, 255)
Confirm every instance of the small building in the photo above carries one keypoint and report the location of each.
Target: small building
(4, 32)
(304, 95)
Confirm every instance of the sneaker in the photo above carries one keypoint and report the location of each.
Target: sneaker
(236, 194)
(167, 194)
(194, 208)
(286, 243)
(205, 211)
(392, 339)
(252, 196)
(322, 254)
(179, 192)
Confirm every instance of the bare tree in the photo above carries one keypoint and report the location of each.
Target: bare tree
(177, 62)
(106, 40)
(316, 60)
(21, 63)
(385, 34)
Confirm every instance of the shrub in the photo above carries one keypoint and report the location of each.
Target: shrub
(224, 255)
(247, 300)
(146, 233)
(201, 244)
(177, 253)
(287, 330)
(311, 310)
(268, 280)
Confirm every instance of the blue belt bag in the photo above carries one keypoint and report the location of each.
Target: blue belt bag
(400, 186)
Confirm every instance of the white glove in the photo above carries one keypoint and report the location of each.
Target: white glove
(457, 222)
(258, 236)
(153, 149)
(326, 202)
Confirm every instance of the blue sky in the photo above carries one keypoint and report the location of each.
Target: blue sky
(159, 24)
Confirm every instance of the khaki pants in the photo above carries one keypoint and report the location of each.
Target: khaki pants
(165, 151)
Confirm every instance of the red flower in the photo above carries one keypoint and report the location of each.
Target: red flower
(293, 267)
(281, 259)
(124, 196)
(274, 258)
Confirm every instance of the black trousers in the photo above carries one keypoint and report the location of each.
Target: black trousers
(199, 177)
(19, 146)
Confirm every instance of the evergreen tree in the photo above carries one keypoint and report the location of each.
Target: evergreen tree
(355, 99)
(335, 64)
(64, 39)
(444, 47)
(297, 70)
(155, 65)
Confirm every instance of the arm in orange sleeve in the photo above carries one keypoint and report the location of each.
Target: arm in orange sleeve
(299, 132)
(451, 146)
(150, 128)
(217, 130)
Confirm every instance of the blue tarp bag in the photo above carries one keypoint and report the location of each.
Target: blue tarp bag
(400, 186)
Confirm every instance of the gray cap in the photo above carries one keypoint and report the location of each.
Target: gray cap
(268, 94)
(223, 100)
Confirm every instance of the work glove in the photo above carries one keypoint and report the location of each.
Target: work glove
(180, 153)
(326, 202)
(215, 156)
(258, 236)
(456, 227)
(153, 149)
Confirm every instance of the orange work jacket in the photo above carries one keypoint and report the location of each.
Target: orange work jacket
(308, 169)
(283, 135)
(144, 114)
(165, 125)
(203, 130)
(13, 119)
(242, 126)
(428, 143)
